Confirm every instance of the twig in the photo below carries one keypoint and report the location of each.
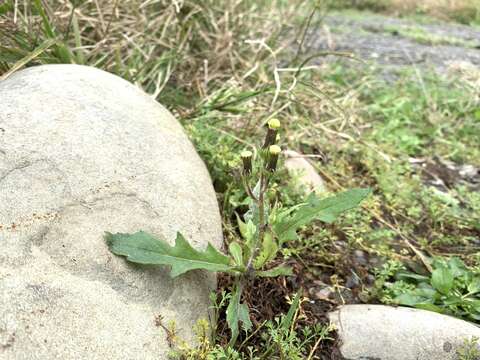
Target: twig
(315, 346)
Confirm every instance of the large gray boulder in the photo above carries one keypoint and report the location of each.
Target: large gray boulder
(83, 152)
(388, 333)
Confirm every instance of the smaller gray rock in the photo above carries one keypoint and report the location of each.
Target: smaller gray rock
(297, 165)
(325, 293)
(397, 333)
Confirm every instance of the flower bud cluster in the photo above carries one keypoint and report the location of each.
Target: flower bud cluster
(270, 151)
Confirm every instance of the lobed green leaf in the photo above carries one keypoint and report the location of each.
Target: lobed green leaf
(327, 210)
(144, 248)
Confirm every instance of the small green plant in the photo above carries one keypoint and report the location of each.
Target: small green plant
(282, 337)
(452, 288)
(265, 228)
(421, 36)
(469, 350)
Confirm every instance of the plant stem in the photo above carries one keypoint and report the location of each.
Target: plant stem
(248, 189)
(261, 224)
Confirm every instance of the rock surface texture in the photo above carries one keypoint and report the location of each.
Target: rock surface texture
(305, 173)
(83, 152)
(387, 333)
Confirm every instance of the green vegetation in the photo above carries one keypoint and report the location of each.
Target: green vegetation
(452, 288)
(265, 229)
(282, 337)
(363, 5)
(469, 351)
(225, 69)
(416, 119)
(423, 37)
(461, 11)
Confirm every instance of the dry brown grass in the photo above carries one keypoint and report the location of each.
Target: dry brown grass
(190, 44)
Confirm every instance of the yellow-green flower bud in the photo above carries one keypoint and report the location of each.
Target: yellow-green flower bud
(247, 161)
(271, 137)
(273, 152)
(274, 124)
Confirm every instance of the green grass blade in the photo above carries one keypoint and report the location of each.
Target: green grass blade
(35, 53)
(62, 52)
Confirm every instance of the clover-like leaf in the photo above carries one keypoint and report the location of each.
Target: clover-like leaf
(144, 248)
